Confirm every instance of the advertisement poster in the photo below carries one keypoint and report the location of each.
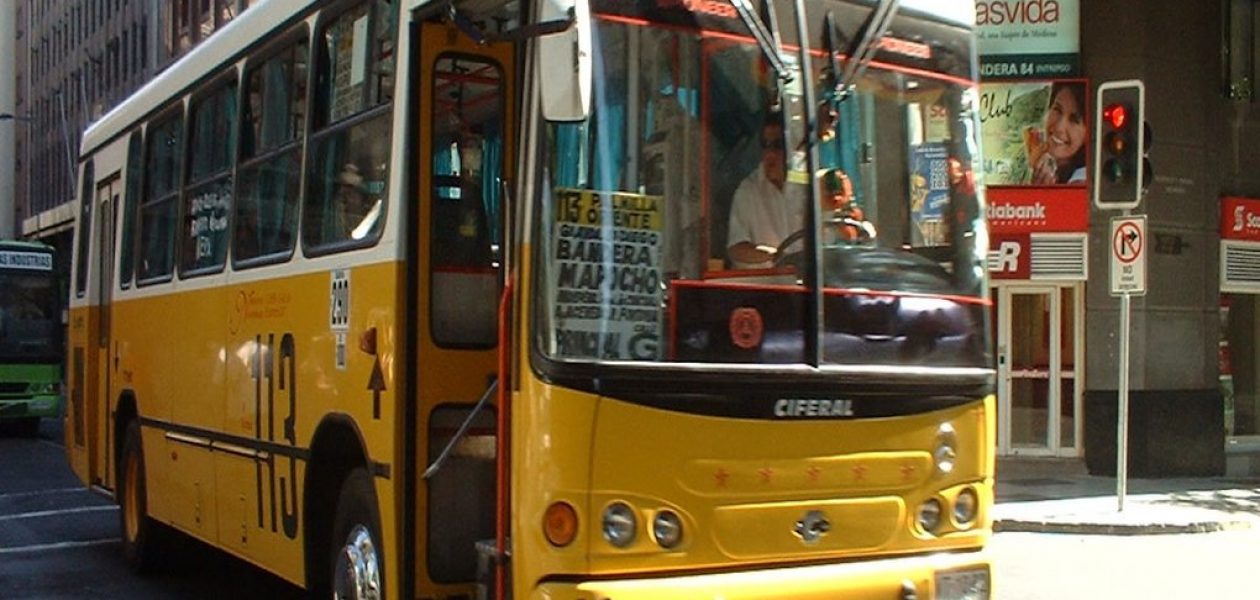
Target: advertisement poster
(1034, 133)
(606, 275)
(929, 193)
(1021, 39)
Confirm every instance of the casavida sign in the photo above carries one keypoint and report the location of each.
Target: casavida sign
(1024, 39)
(1023, 12)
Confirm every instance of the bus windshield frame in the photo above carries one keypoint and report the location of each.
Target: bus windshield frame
(631, 251)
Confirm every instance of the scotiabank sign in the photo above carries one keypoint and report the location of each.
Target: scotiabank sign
(1240, 218)
(1037, 210)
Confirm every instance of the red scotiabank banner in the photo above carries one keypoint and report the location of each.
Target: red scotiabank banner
(1240, 218)
(1022, 210)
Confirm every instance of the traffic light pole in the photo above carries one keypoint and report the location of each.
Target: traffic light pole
(1122, 405)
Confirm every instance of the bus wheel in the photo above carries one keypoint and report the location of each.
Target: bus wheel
(356, 543)
(139, 539)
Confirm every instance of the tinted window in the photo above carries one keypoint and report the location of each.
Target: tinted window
(349, 155)
(269, 176)
(208, 198)
(131, 206)
(85, 230)
(163, 153)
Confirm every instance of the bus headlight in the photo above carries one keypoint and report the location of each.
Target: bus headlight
(930, 515)
(667, 529)
(44, 388)
(963, 584)
(619, 524)
(965, 507)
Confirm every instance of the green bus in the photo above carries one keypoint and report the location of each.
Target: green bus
(30, 335)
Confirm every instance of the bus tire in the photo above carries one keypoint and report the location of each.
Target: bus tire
(356, 561)
(140, 534)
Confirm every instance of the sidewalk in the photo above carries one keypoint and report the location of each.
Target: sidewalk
(1053, 495)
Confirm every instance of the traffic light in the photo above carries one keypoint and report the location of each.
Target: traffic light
(1120, 145)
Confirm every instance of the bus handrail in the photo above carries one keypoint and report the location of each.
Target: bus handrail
(463, 429)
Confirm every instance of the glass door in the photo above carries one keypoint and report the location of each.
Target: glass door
(1029, 370)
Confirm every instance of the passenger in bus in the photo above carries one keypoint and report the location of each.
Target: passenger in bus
(843, 219)
(1057, 153)
(763, 212)
(357, 213)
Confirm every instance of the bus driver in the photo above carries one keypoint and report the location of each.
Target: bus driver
(763, 213)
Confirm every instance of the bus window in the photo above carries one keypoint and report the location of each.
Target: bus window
(85, 230)
(157, 214)
(208, 197)
(269, 176)
(349, 156)
(467, 175)
(130, 204)
(355, 50)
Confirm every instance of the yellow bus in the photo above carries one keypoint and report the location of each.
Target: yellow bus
(416, 299)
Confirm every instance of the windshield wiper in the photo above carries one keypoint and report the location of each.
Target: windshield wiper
(767, 40)
(874, 28)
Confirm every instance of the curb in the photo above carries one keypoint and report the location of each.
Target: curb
(1027, 526)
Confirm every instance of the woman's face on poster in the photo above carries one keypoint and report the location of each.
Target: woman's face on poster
(1065, 127)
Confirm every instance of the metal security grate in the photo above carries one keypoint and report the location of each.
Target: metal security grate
(1060, 256)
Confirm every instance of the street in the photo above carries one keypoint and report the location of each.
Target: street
(59, 540)
(1035, 566)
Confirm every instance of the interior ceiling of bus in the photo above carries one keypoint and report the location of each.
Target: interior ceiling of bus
(493, 16)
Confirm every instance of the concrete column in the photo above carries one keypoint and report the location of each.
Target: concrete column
(8, 100)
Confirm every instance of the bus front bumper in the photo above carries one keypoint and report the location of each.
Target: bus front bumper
(936, 577)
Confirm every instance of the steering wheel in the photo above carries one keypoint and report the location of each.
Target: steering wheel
(780, 252)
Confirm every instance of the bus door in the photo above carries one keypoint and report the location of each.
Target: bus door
(100, 400)
(465, 146)
(107, 195)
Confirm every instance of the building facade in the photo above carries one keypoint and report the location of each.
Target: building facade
(75, 60)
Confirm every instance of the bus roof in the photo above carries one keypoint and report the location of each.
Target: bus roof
(252, 26)
(205, 60)
(25, 245)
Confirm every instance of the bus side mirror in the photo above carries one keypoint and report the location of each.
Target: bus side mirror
(564, 61)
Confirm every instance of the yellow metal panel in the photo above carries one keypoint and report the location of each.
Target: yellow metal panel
(870, 580)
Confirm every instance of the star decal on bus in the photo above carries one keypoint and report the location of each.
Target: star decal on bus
(813, 473)
(859, 473)
(907, 472)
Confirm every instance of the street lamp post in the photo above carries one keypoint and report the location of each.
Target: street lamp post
(8, 227)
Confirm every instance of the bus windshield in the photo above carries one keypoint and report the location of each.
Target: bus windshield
(673, 221)
(30, 329)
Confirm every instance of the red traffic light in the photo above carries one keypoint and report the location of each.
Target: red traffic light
(1115, 115)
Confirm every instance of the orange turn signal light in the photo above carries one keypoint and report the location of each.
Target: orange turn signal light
(560, 524)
